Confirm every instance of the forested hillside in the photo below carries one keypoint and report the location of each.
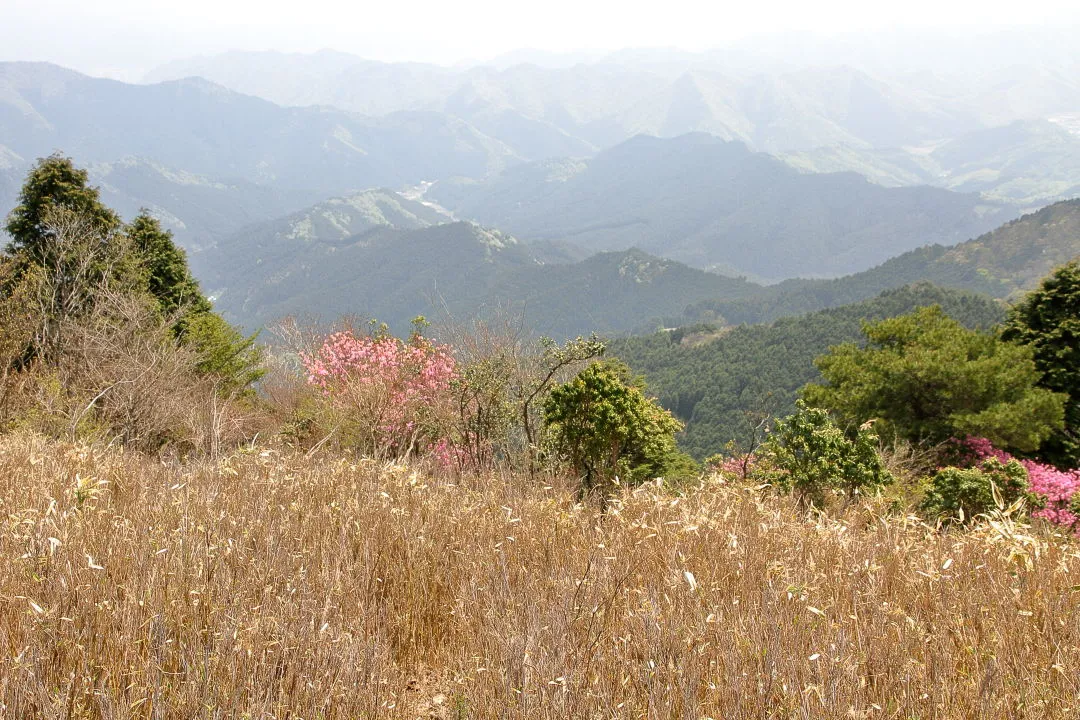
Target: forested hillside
(268, 248)
(721, 381)
(715, 204)
(1002, 264)
(463, 271)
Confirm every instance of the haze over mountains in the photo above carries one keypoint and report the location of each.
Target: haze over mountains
(876, 116)
(714, 204)
(609, 192)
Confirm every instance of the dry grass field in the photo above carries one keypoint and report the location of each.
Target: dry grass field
(273, 585)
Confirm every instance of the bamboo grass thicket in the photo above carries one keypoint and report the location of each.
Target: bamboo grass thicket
(274, 584)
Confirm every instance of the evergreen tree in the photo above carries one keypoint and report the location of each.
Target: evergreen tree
(224, 352)
(55, 183)
(167, 275)
(68, 248)
(1048, 319)
(927, 378)
(66, 252)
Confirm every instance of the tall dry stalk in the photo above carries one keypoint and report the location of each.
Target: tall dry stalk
(274, 585)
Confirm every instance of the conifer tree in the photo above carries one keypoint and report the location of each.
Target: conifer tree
(1048, 319)
(927, 378)
(55, 183)
(67, 248)
(168, 277)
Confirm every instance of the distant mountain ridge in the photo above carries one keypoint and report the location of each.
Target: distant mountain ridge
(456, 269)
(378, 253)
(609, 99)
(1003, 263)
(710, 203)
(194, 127)
(1027, 163)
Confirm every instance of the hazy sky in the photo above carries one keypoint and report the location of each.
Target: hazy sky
(124, 38)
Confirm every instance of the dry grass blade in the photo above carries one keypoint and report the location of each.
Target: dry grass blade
(274, 585)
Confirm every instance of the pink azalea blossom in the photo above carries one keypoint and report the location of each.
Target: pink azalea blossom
(1054, 487)
(408, 380)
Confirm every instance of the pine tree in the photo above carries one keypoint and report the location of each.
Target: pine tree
(927, 378)
(1048, 319)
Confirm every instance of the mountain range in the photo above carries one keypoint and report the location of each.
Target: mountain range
(715, 204)
(155, 143)
(882, 119)
(445, 272)
(381, 255)
(307, 206)
(1027, 162)
(617, 96)
(1002, 264)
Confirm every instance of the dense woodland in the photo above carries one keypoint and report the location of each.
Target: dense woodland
(722, 381)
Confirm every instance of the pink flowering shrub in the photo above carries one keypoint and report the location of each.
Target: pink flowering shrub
(1054, 488)
(386, 395)
(732, 467)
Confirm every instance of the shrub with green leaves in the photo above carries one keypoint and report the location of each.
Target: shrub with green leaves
(962, 493)
(602, 425)
(1048, 320)
(810, 455)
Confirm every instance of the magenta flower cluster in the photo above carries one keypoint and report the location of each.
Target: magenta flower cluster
(405, 382)
(1054, 487)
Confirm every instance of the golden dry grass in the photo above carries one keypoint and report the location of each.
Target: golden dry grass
(276, 586)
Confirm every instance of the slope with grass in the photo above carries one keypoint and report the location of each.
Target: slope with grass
(274, 583)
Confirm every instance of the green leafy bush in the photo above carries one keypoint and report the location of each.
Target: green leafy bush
(602, 425)
(962, 493)
(927, 378)
(1048, 320)
(809, 455)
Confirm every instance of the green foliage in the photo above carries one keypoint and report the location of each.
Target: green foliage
(602, 425)
(167, 275)
(223, 352)
(54, 182)
(69, 254)
(963, 493)
(927, 378)
(1048, 319)
(718, 380)
(66, 252)
(808, 454)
